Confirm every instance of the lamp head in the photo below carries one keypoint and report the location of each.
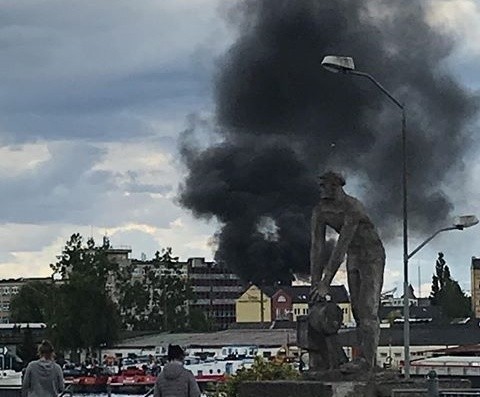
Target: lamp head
(337, 64)
(462, 222)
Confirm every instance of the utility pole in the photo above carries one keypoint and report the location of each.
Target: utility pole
(262, 316)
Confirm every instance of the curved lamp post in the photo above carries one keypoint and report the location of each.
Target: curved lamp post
(345, 65)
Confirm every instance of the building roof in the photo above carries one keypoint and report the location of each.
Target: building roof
(266, 289)
(475, 263)
(24, 280)
(432, 313)
(276, 324)
(259, 337)
(301, 293)
(422, 335)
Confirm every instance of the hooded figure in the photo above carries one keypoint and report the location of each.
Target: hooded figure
(175, 380)
(43, 377)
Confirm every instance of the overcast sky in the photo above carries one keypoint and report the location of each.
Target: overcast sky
(93, 96)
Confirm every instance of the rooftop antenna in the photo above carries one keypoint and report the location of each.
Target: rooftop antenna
(419, 295)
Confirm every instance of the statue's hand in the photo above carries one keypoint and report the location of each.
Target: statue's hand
(319, 292)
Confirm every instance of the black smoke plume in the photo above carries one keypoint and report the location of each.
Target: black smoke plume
(282, 119)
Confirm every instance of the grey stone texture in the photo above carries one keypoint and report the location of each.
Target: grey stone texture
(379, 385)
(358, 239)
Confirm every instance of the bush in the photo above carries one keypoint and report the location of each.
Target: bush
(260, 370)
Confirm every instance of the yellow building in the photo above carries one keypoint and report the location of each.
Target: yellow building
(249, 306)
(301, 309)
(475, 289)
(285, 303)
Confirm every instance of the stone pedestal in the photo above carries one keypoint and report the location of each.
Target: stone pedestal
(282, 388)
(376, 386)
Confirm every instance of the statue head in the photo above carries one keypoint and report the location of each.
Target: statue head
(331, 185)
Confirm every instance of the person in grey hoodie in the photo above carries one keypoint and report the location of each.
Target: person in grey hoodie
(43, 377)
(175, 380)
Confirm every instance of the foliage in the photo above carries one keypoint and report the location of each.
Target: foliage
(454, 302)
(157, 299)
(27, 350)
(260, 370)
(435, 290)
(393, 315)
(33, 303)
(446, 292)
(83, 314)
(199, 321)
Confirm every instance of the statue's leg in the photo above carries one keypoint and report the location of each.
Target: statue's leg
(371, 284)
(353, 277)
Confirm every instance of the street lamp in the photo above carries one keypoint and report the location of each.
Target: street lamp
(345, 65)
(460, 223)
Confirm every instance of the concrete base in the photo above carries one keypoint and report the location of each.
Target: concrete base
(283, 388)
(343, 388)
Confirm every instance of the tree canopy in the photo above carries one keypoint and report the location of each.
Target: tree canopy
(446, 292)
(157, 298)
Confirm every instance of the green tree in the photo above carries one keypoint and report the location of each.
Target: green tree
(33, 303)
(435, 290)
(260, 370)
(446, 292)
(158, 298)
(27, 350)
(85, 315)
(453, 301)
(199, 321)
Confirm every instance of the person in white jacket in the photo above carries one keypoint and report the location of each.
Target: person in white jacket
(43, 377)
(175, 380)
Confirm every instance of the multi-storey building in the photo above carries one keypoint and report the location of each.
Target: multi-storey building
(9, 288)
(475, 288)
(216, 289)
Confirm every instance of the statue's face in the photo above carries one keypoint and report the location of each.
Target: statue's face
(329, 190)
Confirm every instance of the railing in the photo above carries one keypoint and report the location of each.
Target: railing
(67, 392)
(150, 392)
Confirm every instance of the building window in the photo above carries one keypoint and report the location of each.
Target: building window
(281, 299)
(15, 290)
(6, 290)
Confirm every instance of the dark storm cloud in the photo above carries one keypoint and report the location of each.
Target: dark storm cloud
(282, 119)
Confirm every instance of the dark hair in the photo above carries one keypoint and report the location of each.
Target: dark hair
(175, 352)
(45, 349)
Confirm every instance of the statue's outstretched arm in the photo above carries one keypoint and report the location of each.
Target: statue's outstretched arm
(338, 255)
(318, 231)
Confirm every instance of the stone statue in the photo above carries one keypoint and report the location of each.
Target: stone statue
(359, 241)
